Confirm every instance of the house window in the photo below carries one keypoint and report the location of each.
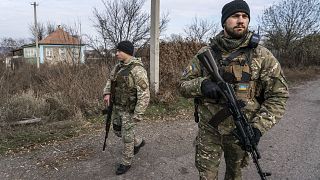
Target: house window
(30, 52)
(26, 53)
(33, 52)
(62, 53)
(75, 52)
(49, 52)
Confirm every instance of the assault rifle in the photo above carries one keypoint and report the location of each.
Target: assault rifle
(244, 130)
(108, 113)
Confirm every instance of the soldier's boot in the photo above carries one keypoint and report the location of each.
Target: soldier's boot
(122, 169)
(137, 148)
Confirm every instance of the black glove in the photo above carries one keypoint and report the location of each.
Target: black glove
(257, 135)
(210, 89)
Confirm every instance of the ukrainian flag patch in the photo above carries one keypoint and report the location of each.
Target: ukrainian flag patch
(188, 70)
(243, 87)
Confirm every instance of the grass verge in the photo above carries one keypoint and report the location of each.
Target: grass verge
(165, 109)
(28, 137)
(300, 75)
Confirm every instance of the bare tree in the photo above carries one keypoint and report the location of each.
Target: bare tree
(121, 20)
(124, 20)
(75, 31)
(50, 28)
(10, 43)
(175, 38)
(41, 31)
(201, 30)
(288, 21)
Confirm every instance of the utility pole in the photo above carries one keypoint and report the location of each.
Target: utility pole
(103, 27)
(34, 4)
(154, 45)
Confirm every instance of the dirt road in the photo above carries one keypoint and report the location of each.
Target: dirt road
(291, 150)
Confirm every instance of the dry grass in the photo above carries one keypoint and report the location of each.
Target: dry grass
(298, 75)
(23, 105)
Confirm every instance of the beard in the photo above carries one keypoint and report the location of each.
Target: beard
(231, 31)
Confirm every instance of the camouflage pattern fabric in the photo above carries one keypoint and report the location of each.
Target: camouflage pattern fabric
(210, 145)
(269, 82)
(129, 137)
(131, 100)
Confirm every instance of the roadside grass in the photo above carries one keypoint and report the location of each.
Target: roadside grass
(301, 74)
(166, 109)
(24, 138)
(19, 138)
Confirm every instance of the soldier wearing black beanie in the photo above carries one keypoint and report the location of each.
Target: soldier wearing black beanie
(126, 47)
(241, 62)
(234, 7)
(127, 90)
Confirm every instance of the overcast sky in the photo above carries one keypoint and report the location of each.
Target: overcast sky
(16, 15)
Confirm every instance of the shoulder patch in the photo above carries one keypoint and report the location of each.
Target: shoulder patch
(143, 84)
(189, 69)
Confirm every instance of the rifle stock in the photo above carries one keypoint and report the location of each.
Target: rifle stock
(108, 113)
(246, 134)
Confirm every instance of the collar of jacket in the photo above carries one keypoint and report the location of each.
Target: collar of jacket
(128, 63)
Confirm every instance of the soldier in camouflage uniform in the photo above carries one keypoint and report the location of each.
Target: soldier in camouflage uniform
(131, 100)
(258, 81)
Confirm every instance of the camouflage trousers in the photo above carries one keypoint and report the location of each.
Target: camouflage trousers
(209, 147)
(123, 126)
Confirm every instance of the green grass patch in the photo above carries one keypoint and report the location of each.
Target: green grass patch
(14, 139)
(172, 108)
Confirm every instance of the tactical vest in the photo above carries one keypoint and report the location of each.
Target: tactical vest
(235, 69)
(126, 93)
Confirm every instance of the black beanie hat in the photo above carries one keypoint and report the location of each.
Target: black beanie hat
(234, 7)
(126, 47)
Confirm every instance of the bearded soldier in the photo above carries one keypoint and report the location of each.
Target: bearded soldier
(258, 81)
(131, 99)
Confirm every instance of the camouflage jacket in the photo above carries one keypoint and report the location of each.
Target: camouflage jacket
(270, 83)
(132, 87)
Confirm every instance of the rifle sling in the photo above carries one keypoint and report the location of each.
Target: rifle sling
(223, 114)
(233, 55)
(196, 111)
(219, 117)
(227, 60)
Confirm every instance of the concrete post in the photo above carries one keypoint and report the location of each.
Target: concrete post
(36, 29)
(154, 45)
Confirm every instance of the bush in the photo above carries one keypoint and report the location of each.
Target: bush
(53, 92)
(59, 92)
(22, 106)
(174, 57)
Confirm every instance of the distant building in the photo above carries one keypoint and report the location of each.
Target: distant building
(59, 46)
